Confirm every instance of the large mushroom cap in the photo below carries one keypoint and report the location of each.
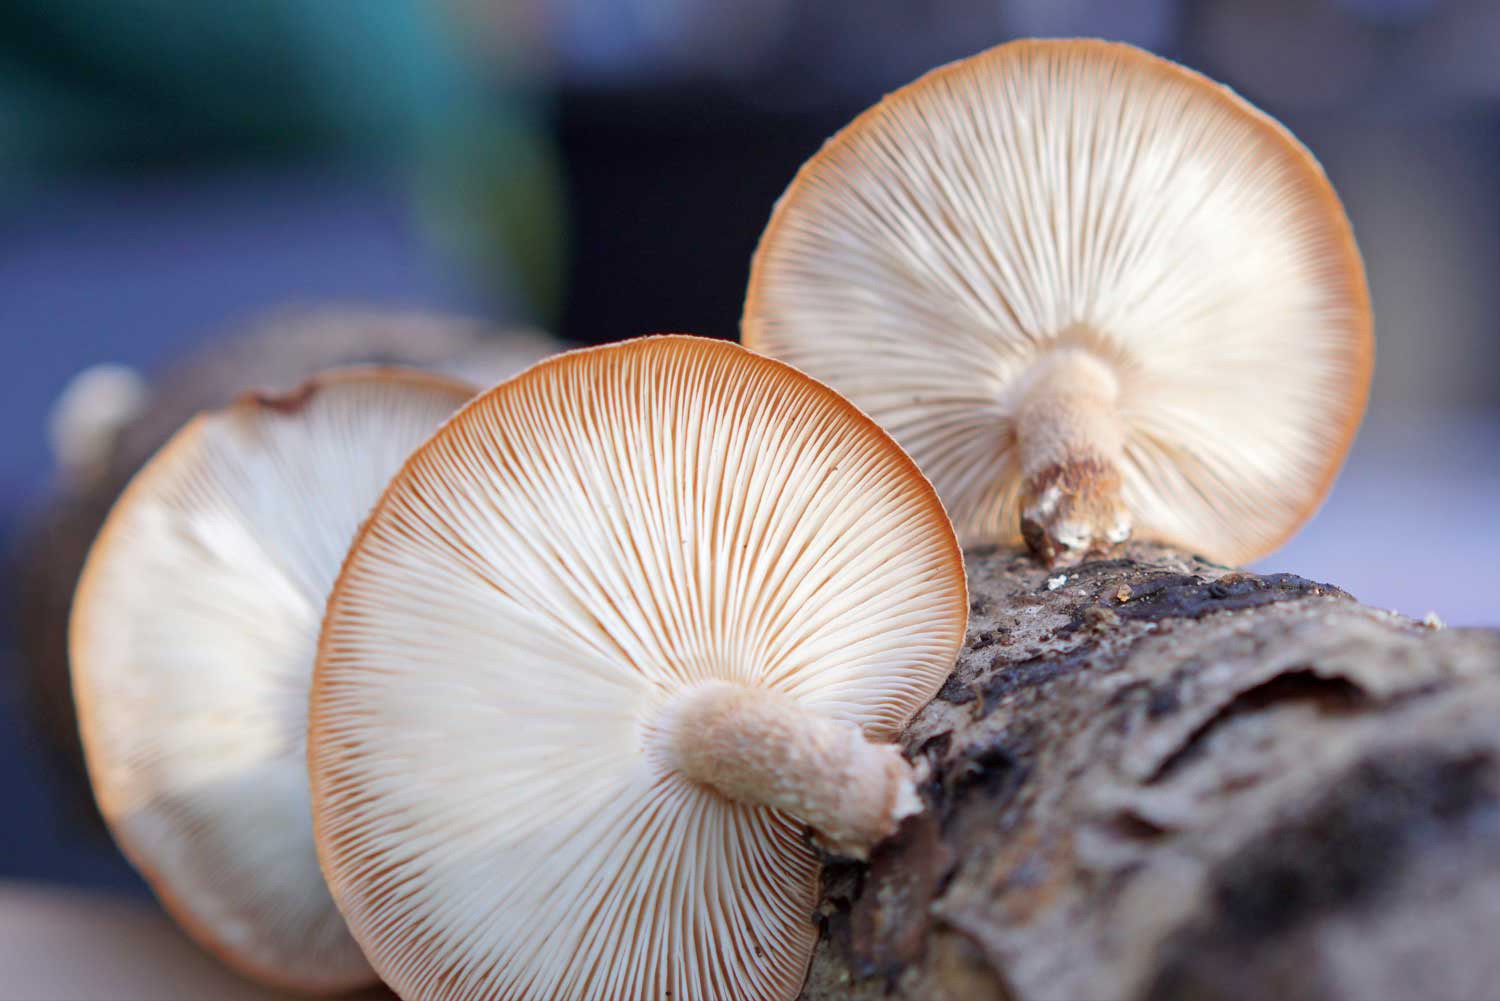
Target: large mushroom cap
(495, 802)
(1085, 195)
(192, 640)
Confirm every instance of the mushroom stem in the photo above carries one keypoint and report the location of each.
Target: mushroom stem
(1067, 427)
(761, 747)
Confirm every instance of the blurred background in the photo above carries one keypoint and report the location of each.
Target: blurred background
(599, 169)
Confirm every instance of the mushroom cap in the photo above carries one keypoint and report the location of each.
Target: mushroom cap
(577, 547)
(192, 641)
(278, 350)
(1087, 194)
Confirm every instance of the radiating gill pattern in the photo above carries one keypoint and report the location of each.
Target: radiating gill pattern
(1080, 193)
(572, 550)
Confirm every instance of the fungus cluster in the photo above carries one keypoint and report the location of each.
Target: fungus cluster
(629, 637)
(1093, 294)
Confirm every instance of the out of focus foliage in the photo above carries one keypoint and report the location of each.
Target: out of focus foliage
(96, 86)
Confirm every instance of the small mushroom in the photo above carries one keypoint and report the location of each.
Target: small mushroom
(610, 640)
(88, 415)
(1092, 293)
(192, 642)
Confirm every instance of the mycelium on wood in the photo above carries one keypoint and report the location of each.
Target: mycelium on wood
(1093, 294)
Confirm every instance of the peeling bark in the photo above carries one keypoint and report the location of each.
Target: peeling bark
(1167, 779)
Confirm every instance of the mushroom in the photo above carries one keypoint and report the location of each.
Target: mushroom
(611, 638)
(1090, 291)
(192, 642)
(108, 421)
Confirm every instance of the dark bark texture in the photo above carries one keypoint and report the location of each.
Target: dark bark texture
(1153, 777)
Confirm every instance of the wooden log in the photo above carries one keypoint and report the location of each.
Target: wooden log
(1154, 777)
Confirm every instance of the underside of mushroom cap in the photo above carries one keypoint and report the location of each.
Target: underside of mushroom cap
(540, 590)
(192, 642)
(1080, 197)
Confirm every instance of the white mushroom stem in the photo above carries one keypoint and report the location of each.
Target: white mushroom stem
(1067, 427)
(761, 747)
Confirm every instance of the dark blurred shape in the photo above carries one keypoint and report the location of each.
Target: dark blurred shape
(669, 193)
(274, 354)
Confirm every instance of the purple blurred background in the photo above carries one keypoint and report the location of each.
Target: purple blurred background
(602, 168)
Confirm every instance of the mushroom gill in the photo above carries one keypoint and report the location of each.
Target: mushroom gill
(612, 639)
(1090, 291)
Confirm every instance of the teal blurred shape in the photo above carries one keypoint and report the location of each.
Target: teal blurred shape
(91, 86)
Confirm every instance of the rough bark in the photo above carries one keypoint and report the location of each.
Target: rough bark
(1159, 778)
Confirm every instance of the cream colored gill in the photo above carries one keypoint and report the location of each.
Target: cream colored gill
(574, 551)
(1080, 193)
(192, 643)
